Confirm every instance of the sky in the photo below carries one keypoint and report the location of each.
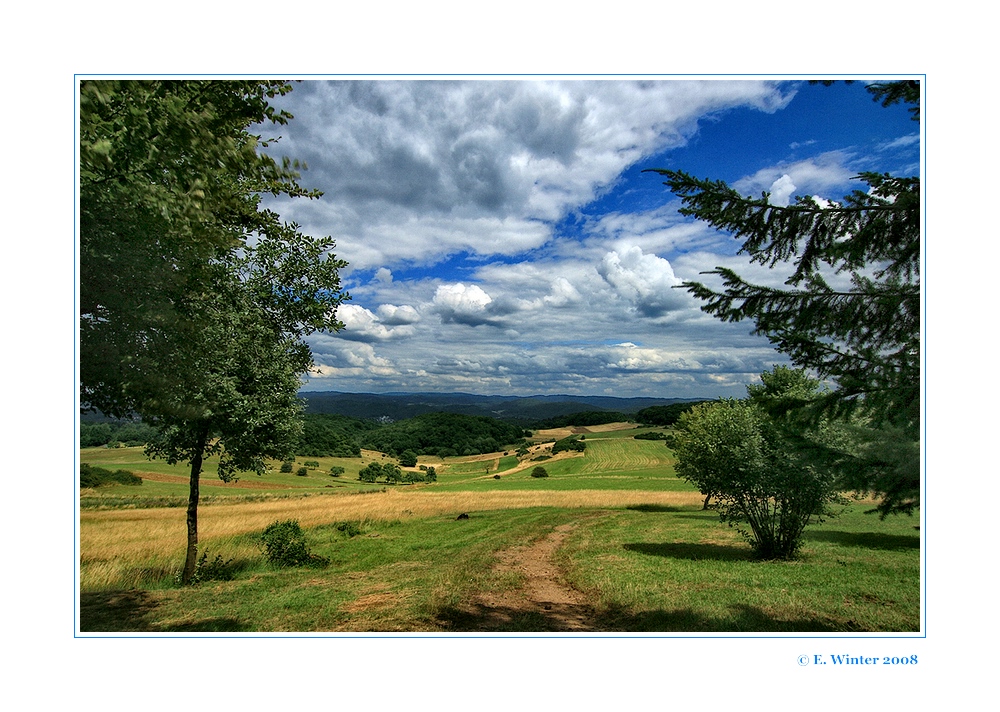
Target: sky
(502, 237)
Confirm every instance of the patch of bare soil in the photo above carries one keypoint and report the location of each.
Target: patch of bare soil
(545, 601)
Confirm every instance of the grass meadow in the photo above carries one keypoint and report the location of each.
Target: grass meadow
(639, 550)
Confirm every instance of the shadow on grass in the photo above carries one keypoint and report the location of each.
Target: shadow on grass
(135, 612)
(694, 552)
(866, 540)
(743, 619)
(656, 508)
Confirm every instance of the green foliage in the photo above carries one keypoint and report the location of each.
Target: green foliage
(573, 443)
(539, 472)
(768, 477)
(218, 569)
(127, 432)
(285, 545)
(287, 466)
(91, 477)
(408, 458)
(864, 337)
(313, 464)
(194, 299)
(336, 471)
(387, 471)
(444, 435)
(652, 435)
(430, 475)
(350, 529)
(582, 419)
(325, 435)
(302, 471)
(664, 415)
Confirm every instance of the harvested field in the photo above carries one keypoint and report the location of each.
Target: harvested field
(139, 533)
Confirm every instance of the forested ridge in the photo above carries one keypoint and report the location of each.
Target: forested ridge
(328, 435)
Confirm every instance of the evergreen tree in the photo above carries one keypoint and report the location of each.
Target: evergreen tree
(864, 338)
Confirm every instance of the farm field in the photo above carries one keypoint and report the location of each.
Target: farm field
(610, 541)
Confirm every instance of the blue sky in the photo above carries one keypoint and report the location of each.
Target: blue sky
(503, 239)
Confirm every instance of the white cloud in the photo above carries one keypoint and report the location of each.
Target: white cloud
(396, 316)
(647, 281)
(339, 359)
(810, 176)
(456, 303)
(781, 190)
(414, 171)
(360, 324)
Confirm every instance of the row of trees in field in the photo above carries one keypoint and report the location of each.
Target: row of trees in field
(392, 474)
(114, 433)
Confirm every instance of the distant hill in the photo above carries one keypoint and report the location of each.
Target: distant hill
(400, 406)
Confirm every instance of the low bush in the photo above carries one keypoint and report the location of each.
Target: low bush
(302, 471)
(654, 435)
(350, 529)
(285, 545)
(99, 477)
(287, 465)
(572, 443)
(217, 569)
(539, 472)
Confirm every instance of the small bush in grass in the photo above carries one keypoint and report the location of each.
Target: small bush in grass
(215, 570)
(336, 471)
(311, 463)
(302, 471)
(351, 529)
(285, 545)
(539, 472)
(286, 466)
(100, 477)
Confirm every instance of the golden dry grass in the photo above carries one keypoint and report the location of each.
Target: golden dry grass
(114, 542)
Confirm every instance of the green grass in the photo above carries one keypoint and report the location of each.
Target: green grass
(393, 576)
(643, 569)
(648, 568)
(654, 570)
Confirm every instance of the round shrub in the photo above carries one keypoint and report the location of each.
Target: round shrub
(285, 544)
(539, 472)
(302, 471)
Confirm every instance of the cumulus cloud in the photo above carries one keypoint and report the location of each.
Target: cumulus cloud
(392, 322)
(457, 303)
(339, 359)
(647, 281)
(416, 170)
(781, 190)
(513, 205)
(397, 316)
(809, 176)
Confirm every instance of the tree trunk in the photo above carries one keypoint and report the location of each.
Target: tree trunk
(191, 559)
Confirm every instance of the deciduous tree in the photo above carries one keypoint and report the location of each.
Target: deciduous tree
(768, 477)
(195, 299)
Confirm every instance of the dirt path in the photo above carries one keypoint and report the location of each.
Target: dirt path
(545, 602)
